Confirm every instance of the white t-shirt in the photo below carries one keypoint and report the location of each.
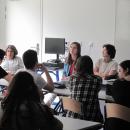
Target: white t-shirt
(39, 81)
(12, 65)
(106, 67)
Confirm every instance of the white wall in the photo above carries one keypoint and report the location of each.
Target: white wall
(90, 22)
(23, 24)
(122, 34)
(2, 24)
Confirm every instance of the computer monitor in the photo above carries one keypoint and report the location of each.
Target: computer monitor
(55, 46)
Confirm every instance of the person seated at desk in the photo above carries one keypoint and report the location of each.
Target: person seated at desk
(74, 54)
(12, 62)
(106, 67)
(84, 87)
(22, 108)
(121, 94)
(121, 87)
(31, 64)
(3, 73)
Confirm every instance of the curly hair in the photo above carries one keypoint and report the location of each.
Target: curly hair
(13, 48)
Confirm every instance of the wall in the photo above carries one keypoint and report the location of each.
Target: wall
(90, 22)
(23, 24)
(2, 24)
(122, 34)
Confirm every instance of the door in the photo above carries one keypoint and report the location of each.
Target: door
(24, 25)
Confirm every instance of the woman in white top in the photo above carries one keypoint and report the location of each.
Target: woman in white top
(11, 62)
(106, 66)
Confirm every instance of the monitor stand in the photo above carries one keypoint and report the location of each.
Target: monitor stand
(57, 60)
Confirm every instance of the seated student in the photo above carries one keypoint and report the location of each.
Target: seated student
(31, 64)
(84, 87)
(121, 87)
(2, 54)
(121, 95)
(3, 73)
(106, 67)
(74, 54)
(22, 109)
(12, 62)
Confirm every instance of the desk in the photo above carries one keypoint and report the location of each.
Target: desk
(101, 95)
(108, 82)
(108, 86)
(54, 67)
(51, 70)
(4, 82)
(62, 92)
(56, 73)
(77, 124)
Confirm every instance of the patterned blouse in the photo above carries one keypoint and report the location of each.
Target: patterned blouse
(85, 90)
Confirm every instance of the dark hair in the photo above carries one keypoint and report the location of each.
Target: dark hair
(13, 48)
(2, 54)
(110, 50)
(30, 59)
(69, 59)
(21, 89)
(84, 65)
(126, 66)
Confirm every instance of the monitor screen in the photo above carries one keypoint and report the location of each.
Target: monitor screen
(55, 45)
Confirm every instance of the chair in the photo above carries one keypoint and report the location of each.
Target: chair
(74, 106)
(66, 103)
(117, 117)
(71, 105)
